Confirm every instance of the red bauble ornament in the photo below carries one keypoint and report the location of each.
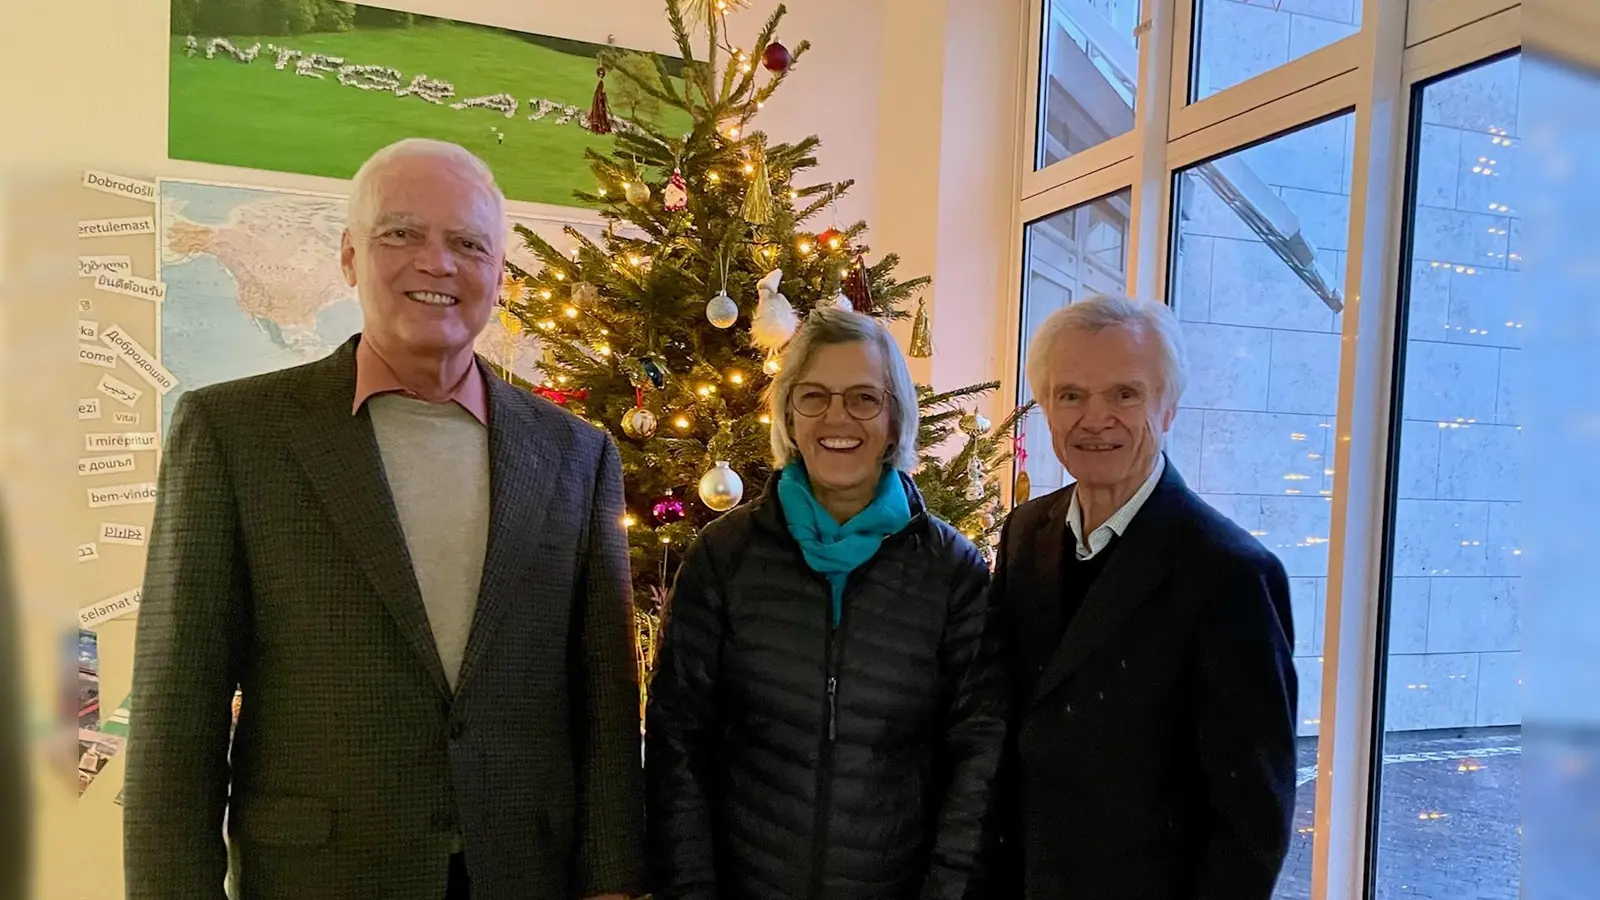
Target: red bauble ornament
(776, 58)
(832, 238)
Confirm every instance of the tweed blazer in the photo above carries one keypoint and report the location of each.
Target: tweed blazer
(277, 565)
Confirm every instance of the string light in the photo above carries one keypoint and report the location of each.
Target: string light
(561, 276)
(681, 423)
(602, 191)
(736, 377)
(712, 176)
(665, 539)
(629, 520)
(794, 194)
(835, 242)
(603, 349)
(749, 169)
(764, 419)
(634, 260)
(547, 324)
(771, 366)
(571, 311)
(805, 247)
(546, 295)
(704, 390)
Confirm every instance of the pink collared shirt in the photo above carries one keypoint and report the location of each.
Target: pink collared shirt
(374, 376)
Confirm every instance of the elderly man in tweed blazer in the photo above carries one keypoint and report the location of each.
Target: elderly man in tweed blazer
(417, 577)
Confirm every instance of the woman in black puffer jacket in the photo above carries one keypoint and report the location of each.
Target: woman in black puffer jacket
(827, 712)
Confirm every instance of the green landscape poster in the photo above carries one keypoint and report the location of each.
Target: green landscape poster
(315, 86)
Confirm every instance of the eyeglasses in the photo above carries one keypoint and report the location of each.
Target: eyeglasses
(863, 402)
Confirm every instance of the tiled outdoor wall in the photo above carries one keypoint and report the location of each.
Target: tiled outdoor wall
(1254, 430)
(1241, 40)
(1455, 633)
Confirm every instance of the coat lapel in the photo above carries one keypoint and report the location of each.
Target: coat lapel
(528, 450)
(340, 454)
(1137, 567)
(1041, 591)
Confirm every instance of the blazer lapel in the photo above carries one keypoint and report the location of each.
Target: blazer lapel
(1040, 589)
(527, 454)
(340, 454)
(1137, 567)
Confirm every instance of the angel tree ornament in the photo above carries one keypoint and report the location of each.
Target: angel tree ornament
(774, 321)
(675, 196)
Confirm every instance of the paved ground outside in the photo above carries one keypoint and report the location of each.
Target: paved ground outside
(1450, 821)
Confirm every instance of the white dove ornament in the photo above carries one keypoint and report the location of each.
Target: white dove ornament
(774, 321)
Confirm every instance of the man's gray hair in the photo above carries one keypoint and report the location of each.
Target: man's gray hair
(359, 213)
(1101, 311)
(831, 325)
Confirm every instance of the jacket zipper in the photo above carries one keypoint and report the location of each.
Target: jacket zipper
(830, 735)
(819, 845)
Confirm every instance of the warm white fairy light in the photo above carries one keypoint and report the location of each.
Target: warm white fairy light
(571, 311)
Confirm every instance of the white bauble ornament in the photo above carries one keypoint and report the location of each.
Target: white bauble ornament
(774, 321)
(843, 302)
(722, 311)
(721, 488)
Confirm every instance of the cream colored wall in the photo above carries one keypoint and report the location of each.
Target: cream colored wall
(914, 99)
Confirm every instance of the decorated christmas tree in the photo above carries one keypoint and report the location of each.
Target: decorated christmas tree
(668, 329)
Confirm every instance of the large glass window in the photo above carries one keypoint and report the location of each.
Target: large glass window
(1449, 823)
(1236, 40)
(1070, 255)
(1091, 71)
(1257, 282)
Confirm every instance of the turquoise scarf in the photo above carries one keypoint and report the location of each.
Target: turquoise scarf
(834, 550)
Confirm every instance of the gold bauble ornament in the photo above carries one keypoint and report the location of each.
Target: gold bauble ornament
(636, 192)
(639, 423)
(1022, 490)
(721, 488)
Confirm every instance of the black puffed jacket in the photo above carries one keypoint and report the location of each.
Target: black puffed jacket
(786, 758)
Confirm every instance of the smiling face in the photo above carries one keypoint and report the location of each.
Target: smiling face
(842, 452)
(426, 257)
(1106, 406)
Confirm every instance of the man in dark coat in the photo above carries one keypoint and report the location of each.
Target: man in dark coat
(1152, 750)
(417, 576)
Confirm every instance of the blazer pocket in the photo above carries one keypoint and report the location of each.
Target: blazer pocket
(285, 821)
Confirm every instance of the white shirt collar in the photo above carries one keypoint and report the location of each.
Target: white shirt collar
(1118, 523)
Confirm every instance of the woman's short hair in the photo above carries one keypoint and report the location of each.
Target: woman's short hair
(831, 325)
(1101, 311)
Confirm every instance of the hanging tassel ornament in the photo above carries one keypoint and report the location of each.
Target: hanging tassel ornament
(856, 288)
(675, 196)
(599, 120)
(1023, 488)
(758, 200)
(921, 336)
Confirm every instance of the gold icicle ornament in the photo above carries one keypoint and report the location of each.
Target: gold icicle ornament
(921, 334)
(758, 199)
